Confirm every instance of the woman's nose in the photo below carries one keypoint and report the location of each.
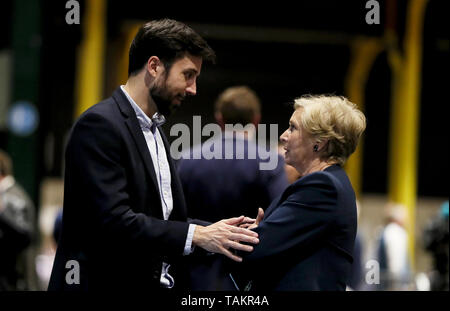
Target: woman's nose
(283, 137)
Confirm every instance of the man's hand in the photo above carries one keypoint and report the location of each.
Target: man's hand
(253, 223)
(223, 235)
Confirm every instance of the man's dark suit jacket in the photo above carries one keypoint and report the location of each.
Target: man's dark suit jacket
(307, 236)
(218, 189)
(112, 218)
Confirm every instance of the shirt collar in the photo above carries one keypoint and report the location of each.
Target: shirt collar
(144, 120)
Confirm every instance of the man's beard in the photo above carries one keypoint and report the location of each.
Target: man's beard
(163, 100)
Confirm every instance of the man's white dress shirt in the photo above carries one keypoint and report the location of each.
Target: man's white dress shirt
(161, 165)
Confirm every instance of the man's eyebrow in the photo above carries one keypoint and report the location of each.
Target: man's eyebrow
(191, 70)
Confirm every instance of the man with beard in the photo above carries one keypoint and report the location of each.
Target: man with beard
(124, 221)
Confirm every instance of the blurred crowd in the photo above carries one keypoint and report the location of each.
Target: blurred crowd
(390, 258)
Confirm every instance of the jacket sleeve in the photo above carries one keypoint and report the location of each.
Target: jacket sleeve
(95, 162)
(299, 221)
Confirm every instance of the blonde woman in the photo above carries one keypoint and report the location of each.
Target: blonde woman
(307, 234)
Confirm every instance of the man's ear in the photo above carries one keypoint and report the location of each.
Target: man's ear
(219, 119)
(256, 120)
(154, 65)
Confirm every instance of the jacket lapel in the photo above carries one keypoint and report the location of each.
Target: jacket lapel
(136, 132)
(179, 206)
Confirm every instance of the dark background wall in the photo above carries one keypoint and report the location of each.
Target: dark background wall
(277, 71)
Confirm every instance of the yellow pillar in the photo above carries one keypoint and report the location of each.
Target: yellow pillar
(89, 80)
(405, 119)
(130, 31)
(364, 53)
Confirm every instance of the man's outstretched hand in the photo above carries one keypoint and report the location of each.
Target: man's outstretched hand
(223, 235)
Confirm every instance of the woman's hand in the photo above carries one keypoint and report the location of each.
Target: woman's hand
(254, 222)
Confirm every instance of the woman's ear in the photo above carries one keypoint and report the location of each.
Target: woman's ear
(321, 145)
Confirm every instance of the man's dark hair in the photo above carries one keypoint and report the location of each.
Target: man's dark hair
(169, 40)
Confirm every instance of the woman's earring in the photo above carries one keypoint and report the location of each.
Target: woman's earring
(316, 148)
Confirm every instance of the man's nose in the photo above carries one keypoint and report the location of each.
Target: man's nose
(192, 88)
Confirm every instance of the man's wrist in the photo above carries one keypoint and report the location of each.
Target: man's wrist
(197, 238)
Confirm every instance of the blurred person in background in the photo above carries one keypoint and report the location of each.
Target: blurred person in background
(357, 276)
(392, 251)
(17, 232)
(47, 246)
(124, 217)
(222, 188)
(436, 241)
(57, 227)
(307, 234)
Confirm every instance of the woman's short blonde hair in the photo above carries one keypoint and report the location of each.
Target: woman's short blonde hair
(335, 119)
